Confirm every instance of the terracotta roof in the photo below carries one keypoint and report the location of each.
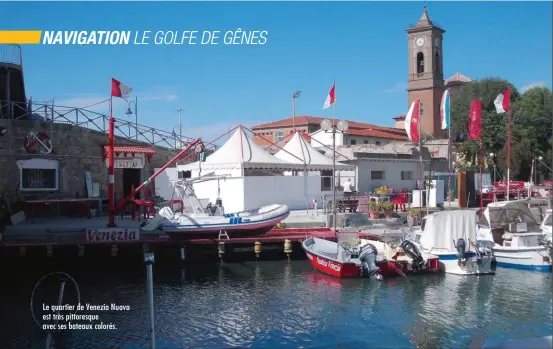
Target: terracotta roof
(458, 77)
(312, 120)
(377, 133)
(131, 149)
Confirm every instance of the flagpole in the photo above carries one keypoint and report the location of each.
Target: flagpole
(481, 166)
(449, 165)
(509, 150)
(420, 160)
(111, 177)
(334, 167)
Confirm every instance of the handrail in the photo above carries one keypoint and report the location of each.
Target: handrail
(96, 121)
(11, 53)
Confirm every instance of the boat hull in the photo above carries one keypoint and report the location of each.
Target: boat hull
(449, 263)
(347, 270)
(240, 230)
(527, 259)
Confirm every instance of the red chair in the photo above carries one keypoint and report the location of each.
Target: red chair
(400, 200)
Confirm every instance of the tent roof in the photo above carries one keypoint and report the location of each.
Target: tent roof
(299, 151)
(241, 152)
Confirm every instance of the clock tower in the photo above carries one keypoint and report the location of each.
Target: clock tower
(426, 78)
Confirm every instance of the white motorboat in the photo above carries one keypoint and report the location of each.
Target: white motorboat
(518, 241)
(211, 221)
(452, 236)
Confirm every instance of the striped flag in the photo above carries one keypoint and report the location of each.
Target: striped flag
(444, 110)
(412, 121)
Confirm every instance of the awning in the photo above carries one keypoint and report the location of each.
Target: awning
(130, 150)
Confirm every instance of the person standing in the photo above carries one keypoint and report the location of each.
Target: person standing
(347, 187)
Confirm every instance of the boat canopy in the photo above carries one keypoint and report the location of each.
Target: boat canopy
(441, 230)
(498, 214)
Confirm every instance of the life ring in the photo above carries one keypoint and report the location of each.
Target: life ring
(315, 204)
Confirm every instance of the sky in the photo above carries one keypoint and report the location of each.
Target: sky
(360, 45)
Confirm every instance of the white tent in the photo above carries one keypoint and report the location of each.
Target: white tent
(240, 152)
(299, 151)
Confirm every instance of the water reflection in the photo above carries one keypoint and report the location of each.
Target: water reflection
(287, 305)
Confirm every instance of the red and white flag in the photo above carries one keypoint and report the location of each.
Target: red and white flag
(412, 120)
(503, 102)
(119, 90)
(331, 97)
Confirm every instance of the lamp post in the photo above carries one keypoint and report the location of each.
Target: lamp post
(294, 96)
(341, 126)
(129, 113)
(180, 127)
(493, 161)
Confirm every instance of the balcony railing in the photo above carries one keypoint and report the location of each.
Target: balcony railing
(44, 112)
(10, 53)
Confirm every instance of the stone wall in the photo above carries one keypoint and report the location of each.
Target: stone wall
(78, 150)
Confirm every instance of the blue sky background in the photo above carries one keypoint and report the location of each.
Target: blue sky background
(361, 45)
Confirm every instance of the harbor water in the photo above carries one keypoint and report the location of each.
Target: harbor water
(275, 305)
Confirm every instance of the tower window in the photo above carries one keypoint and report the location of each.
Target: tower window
(437, 64)
(420, 63)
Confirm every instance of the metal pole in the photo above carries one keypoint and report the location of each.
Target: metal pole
(334, 176)
(149, 260)
(111, 176)
(180, 127)
(294, 112)
(60, 299)
(136, 116)
(551, 190)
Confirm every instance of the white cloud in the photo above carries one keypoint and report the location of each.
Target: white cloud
(398, 87)
(532, 85)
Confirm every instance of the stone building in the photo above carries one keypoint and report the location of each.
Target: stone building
(39, 160)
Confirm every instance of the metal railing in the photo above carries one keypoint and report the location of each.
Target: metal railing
(44, 112)
(11, 53)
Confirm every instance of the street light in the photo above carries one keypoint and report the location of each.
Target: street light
(540, 158)
(129, 113)
(493, 161)
(294, 96)
(332, 126)
(180, 127)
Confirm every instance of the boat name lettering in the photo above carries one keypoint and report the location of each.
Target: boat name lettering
(235, 220)
(110, 235)
(329, 264)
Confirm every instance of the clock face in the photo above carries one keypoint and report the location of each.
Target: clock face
(420, 42)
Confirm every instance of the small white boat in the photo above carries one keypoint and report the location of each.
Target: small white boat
(211, 221)
(452, 237)
(518, 241)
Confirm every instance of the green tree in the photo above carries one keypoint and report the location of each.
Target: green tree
(530, 124)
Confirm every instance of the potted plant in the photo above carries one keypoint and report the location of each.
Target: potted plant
(374, 210)
(388, 208)
(413, 216)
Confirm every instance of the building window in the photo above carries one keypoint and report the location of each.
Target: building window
(420, 63)
(377, 142)
(38, 175)
(437, 62)
(365, 142)
(326, 180)
(406, 175)
(279, 136)
(377, 175)
(353, 142)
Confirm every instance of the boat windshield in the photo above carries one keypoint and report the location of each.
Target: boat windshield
(500, 217)
(548, 220)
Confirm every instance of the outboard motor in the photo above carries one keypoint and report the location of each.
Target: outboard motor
(461, 248)
(367, 257)
(211, 209)
(413, 252)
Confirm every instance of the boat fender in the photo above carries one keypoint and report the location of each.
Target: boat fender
(413, 252)
(367, 257)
